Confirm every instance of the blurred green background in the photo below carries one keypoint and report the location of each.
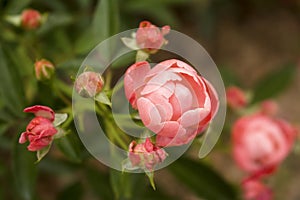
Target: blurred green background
(255, 43)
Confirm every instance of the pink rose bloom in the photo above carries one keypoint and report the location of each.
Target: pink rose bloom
(172, 99)
(40, 130)
(150, 37)
(89, 84)
(236, 98)
(44, 69)
(146, 154)
(31, 19)
(269, 107)
(255, 190)
(260, 143)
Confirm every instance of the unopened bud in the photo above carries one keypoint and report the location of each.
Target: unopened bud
(44, 69)
(89, 84)
(31, 19)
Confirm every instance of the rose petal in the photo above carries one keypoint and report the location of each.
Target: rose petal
(193, 117)
(171, 129)
(23, 138)
(159, 80)
(148, 112)
(134, 78)
(41, 111)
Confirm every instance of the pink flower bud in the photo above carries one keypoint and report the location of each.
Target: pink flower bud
(269, 107)
(236, 98)
(40, 130)
(172, 99)
(261, 143)
(31, 19)
(255, 190)
(146, 154)
(149, 37)
(89, 84)
(44, 69)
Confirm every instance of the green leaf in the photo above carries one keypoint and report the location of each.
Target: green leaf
(274, 83)
(42, 153)
(72, 192)
(103, 98)
(24, 171)
(151, 179)
(60, 118)
(202, 180)
(121, 184)
(68, 147)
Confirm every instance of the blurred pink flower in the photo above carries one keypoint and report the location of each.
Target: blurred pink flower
(146, 154)
(236, 98)
(31, 19)
(150, 37)
(89, 84)
(172, 99)
(44, 69)
(261, 143)
(255, 190)
(40, 130)
(269, 107)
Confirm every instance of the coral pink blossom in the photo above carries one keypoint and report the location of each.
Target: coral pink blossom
(31, 19)
(40, 130)
(150, 37)
(269, 107)
(255, 190)
(89, 84)
(146, 154)
(236, 98)
(172, 99)
(260, 143)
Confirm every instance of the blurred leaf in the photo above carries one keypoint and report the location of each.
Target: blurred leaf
(55, 20)
(274, 83)
(16, 6)
(160, 12)
(24, 171)
(10, 87)
(68, 146)
(60, 133)
(202, 180)
(72, 192)
(121, 184)
(3, 127)
(105, 23)
(124, 60)
(228, 76)
(55, 166)
(98, 183)
(130, 43)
